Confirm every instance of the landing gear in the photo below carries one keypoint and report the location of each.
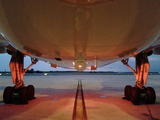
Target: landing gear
(19, 94)
(127, 92)
(7, 95)
(139, 92)
(31, 92)
(151, 95)
(135, 95)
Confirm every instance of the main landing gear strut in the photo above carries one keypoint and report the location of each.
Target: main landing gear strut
(19, 94)
(139, 92)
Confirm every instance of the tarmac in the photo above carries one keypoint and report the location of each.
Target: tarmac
(55, 96)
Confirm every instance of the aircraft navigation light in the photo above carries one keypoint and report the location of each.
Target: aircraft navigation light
(80, 65)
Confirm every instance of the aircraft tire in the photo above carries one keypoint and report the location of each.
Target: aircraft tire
(151, 95)
(23, 95)
(7, 95)
(135, 95)
(31, 92)
(127, 92)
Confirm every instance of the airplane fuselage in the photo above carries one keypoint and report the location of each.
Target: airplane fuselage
(56, 31)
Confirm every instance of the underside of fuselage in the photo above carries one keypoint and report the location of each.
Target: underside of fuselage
(105, 30)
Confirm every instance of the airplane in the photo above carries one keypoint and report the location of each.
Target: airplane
(80, 34)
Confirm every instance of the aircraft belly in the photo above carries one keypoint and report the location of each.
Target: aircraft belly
(55, 29)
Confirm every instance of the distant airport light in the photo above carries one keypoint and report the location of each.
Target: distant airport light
(45, 74)
(0, 73)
